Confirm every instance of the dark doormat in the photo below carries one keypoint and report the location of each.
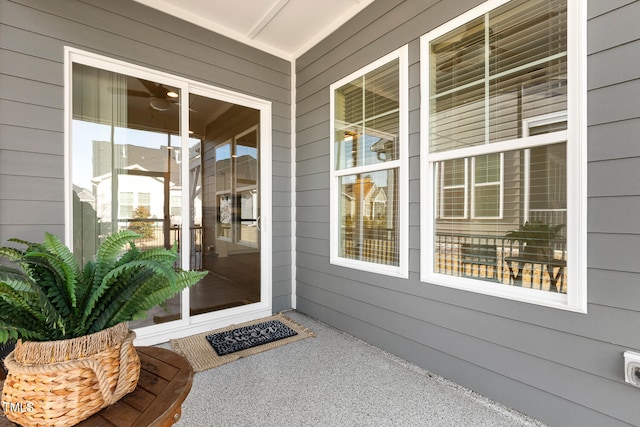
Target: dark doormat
(214, 348)
(239, 339)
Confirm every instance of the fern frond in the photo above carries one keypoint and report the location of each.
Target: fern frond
(109, 313)
(108, 252)
(132, 254)
(160, 255)
(20, 241)
(55, 278)
(85, 283)
(67, 262)
(111, 248)
(21, 314)
(155, 294)
(16, 279)
(12, 331)
(113, 275)
(116, 295)
(11, 254)
(149, 295)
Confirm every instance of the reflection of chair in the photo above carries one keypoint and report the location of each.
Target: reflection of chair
(480, 258)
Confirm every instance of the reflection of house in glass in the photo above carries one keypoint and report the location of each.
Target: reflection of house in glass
(374, 237)
(232, 168)
(145, 196)
(367, 194)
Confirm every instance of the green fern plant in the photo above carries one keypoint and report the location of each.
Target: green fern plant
(537, 238)
(45, 295)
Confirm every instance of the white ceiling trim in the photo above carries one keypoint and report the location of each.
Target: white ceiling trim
(208, 24)
(268, 17)
(251, 38)
(337, 23)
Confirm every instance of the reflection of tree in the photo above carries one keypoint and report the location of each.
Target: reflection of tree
(145, 228)
(225, 211)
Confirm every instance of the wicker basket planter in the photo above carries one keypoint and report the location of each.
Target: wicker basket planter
(60, 383)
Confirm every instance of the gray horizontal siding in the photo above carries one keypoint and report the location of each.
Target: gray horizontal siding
(561, 367)
(33, 34)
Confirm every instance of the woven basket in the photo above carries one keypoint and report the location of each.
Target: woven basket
(60, 383)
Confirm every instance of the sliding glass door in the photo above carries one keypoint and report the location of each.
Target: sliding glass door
(177, 165)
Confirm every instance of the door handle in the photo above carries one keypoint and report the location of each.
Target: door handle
(258, 223)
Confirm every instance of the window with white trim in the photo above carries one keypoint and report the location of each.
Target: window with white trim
(502, 117)
(368, 167)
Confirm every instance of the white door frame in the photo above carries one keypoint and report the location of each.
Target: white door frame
(187, 325)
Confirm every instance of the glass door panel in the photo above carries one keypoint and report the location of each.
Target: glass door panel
(226, 205)
(125, 164)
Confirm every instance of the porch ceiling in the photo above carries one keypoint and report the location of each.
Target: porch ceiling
(285, 28)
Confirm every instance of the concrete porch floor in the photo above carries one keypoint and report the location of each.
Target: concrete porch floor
(334, 380)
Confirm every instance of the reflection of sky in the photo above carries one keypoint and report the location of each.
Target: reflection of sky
(243, 150)
(365, 155)
(84, 133)
(223, 152)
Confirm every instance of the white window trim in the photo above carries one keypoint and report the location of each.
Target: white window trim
(402, 270)
(575, 135)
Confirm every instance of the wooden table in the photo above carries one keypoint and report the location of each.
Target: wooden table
(165, 381)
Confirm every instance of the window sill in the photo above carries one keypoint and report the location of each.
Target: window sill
(372, 267)
(510, 292)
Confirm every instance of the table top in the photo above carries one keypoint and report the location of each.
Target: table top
(165, 381)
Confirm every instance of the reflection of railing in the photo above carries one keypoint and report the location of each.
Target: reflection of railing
(154, 237)
(496, 259)
(376, 245)
(196, 245)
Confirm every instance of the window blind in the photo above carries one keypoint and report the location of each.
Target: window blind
(488, 75)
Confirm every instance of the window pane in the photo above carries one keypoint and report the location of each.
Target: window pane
(223, 167)
(487, 199)
(247, 171)
(524, 95)
(486, 192)
(144, 199)
(381, 90)
(526, 246)
(367, 118)
(487, 168)
(368, 215)
(476, 101)
(348, 102)
(452, 194)
(453, 200)
(457, 119)
(123, 161)
(381, 141)
(176, 208)
(126, 204)
(525, 31)
(457, 58)
(454, 173)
